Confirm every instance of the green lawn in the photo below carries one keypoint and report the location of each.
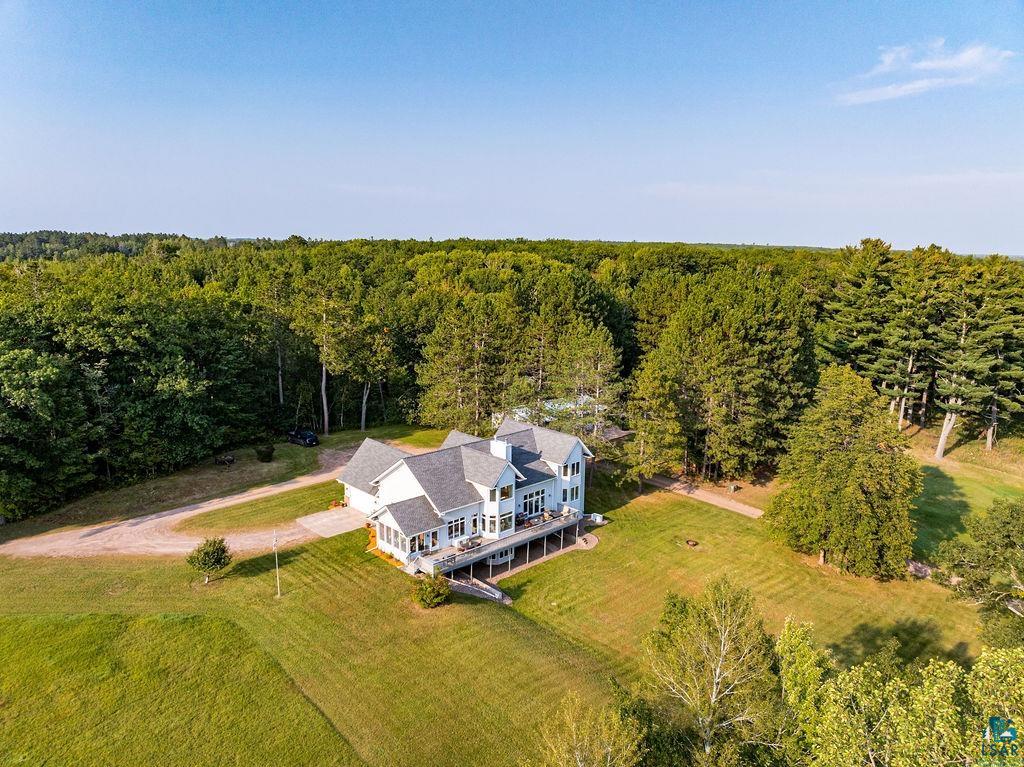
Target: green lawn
(158, 690)
(266, 512)
(607, 599)
(413, 436)
(465, 684)
(968, 480)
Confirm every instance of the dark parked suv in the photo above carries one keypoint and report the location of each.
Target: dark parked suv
(303, 437)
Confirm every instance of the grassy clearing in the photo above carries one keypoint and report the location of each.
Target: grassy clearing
(383, 671)
(412, 436)
(610, 597)
(160, 690)
(266, 512)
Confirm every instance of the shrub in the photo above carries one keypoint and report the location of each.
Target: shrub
(265, 453)
(210, 556)
(432, 591)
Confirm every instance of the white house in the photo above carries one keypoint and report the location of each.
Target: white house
(472, 499)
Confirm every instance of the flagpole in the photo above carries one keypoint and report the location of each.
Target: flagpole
(277, 569)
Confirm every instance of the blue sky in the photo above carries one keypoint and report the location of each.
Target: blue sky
(788, 123)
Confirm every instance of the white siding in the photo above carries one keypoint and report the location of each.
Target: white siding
(360, 501)
(398, 485)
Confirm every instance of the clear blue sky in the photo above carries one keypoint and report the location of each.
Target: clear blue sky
(790, 123)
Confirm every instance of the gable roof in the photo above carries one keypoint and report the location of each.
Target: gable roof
(413, 516)
(551, 445)
(446, 475)
(369, 462)
(456, 438)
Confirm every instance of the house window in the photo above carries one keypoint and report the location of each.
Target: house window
(565, 494)
(565, 471)
(475, 524)
(433, 539)
(506, 492)
(456, 529)
(506, 522)
(494, 494)
(574, 493)
(575, 468)
(533, 503)
(492, 523)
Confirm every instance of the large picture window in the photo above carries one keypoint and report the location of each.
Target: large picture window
(506, 522)
(456, 529)
(533, 503)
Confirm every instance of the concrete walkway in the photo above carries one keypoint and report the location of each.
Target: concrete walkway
(154, 534)
(689, 489)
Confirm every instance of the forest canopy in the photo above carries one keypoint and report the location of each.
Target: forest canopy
(126, 356)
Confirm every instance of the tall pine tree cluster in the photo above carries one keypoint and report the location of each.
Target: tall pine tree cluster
(940, 335)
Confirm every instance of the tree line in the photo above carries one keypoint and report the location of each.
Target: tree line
(123, 357)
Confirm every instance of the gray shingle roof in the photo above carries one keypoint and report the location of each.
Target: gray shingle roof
(445, 475)
(368, 462)
(413, 516)
(480, 467)
(554, 446)
(456, 438)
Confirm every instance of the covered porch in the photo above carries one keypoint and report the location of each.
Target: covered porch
(451, 558)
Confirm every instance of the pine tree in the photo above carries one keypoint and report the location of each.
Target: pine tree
(851, 332)
(469, 359)
(659, 443)
(967, 342)
(585, 376)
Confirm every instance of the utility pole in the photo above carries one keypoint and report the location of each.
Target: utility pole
(277, 569)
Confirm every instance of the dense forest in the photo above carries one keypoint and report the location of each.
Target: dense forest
(123, 357)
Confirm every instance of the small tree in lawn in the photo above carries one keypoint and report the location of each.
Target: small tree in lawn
(210, 556)
(849, 483)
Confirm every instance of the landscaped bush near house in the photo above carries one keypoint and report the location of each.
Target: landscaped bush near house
(432, 591)
(265, 453)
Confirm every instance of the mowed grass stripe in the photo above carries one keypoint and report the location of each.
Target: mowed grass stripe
(264, 513)
(609, 598)
(157, 690)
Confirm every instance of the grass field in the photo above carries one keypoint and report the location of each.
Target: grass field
(158, 690)
(384, 672)
(609, 598)
(413, 436)
(265, 512)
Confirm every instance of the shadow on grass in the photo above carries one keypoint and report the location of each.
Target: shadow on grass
(939, 511)
(918, 640)
(262, 564)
